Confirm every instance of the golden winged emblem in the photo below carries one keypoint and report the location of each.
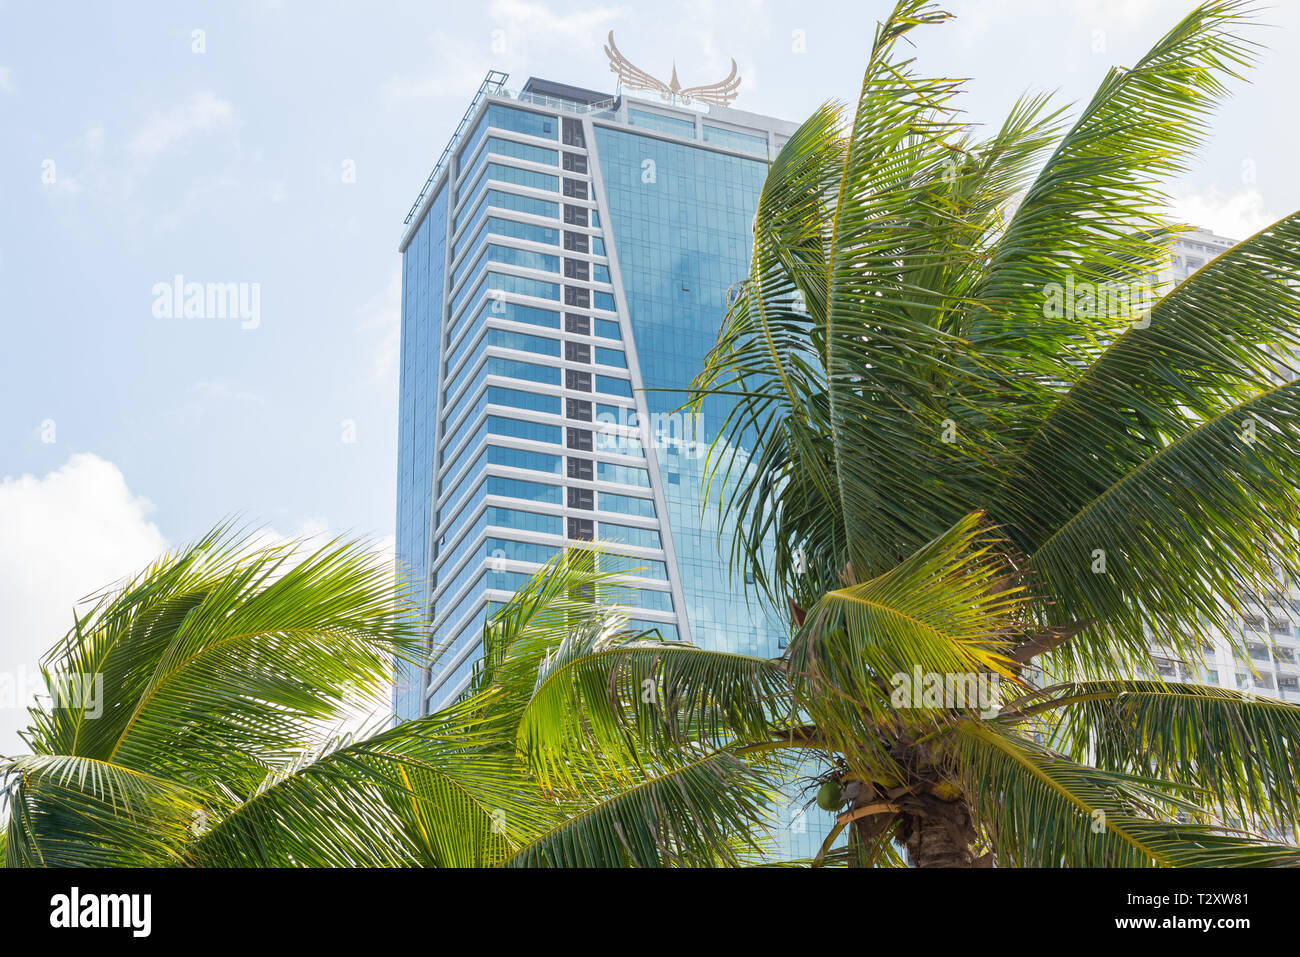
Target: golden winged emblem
(720, 93)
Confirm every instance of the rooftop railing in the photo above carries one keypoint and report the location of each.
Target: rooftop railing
(491, 86)
(607, 106)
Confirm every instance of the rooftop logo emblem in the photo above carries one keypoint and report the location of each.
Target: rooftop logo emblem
(719, 94)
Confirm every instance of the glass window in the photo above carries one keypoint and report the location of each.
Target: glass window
(619, 443)
(496, 226)
(508, 118)
(495, 285)
(668, 632)
(613, 386)
(625, 565)
(517, 369)
(512, 312)
(501, 173)
(622, 474)
(522, 121)
(615, 414)
(694, 230)
(661, 123)
(504, 518)
(510, 256)
(500, 396)
(731, 139)
(626, 504)
(500, 486)
(511, 428)
(512, 458)
(639, 597)
(630, 535)
(496, 146)
(501, 199)
(498, 366)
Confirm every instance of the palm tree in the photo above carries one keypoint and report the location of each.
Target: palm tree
(953, 484)
(200, 732)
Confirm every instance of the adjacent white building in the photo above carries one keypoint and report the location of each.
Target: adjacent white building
(1269, 630)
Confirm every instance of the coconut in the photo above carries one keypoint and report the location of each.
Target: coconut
(830, 795)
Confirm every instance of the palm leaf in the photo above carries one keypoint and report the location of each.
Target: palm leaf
(69, 811)
(688, 815)
(1241, 751)
(1095, 207)
(1204, 517)
(1044, 810)
(439, 791)
(622, 701)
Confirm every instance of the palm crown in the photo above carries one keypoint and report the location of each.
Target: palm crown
(955, 474)
(189, 723)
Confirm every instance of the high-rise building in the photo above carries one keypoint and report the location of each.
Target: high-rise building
(565, 272)
(1192, 250)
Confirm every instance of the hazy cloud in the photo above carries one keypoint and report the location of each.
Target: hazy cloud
(201, 114)
(380, 321)
(458, 69)
(1236, 215)
(66, 535)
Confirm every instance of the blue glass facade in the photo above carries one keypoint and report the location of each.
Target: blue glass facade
(422, 301)
(681, 218)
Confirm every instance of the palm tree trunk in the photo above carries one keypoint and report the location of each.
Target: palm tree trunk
(933, 845)
(939, 833)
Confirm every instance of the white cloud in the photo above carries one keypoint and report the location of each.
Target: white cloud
(203, 194)
(748, 28)
(223, 390)
(517, 27)
(68, 184)
(526, 19)
(67, 535)
(6, 80)
(1116, 18)
(213, 396)
(72, 534)
(1128, 14)
(1237, 215)
(314, 526)
(201, 114)
(95, 138)
(458, 70)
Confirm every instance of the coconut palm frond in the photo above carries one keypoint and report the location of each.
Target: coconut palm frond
(1048, 811)
(1241, 750)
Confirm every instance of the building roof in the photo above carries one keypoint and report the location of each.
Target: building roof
(564, 91)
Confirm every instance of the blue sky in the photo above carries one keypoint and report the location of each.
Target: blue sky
(127, 158)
